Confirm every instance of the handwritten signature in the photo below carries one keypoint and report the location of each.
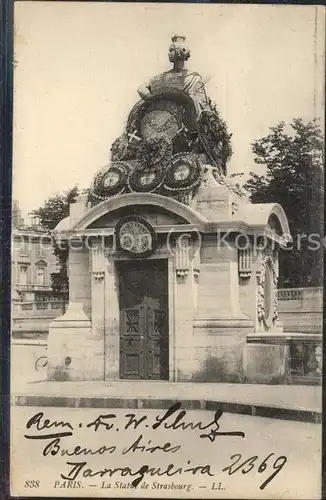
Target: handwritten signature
(173, 419)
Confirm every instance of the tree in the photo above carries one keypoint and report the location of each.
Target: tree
(292, 156)
(53, 211)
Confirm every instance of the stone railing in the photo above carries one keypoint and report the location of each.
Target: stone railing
(40, 307)
(290, 294)
(30, 320)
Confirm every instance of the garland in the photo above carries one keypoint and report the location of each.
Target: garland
(214, 135)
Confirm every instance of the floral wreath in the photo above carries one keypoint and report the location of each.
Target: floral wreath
(100, 191)
(119, 148)
(193, 178)
(155, 151)
(176, 101)
(156, 178)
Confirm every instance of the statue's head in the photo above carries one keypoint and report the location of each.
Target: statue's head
(178, 50)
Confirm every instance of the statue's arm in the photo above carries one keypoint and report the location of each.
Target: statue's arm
(144, 91)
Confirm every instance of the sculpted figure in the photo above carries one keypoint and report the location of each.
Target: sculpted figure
(179, 76)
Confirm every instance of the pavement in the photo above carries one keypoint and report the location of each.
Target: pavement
(287, 402)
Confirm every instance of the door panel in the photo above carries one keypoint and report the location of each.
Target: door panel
(144, 320)
(157, 344)
(132, 344)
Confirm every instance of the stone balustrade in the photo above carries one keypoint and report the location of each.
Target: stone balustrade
(31, 319)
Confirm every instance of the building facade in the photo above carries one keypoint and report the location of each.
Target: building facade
(34, 304)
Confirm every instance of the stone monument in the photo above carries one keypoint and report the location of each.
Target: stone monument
(170, 269)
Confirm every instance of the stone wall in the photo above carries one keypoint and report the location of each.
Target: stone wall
(301, 309)
(28, 360)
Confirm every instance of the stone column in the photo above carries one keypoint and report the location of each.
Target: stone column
(112, 321)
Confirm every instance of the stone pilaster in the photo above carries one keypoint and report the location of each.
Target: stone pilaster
(112, 321)
(79, 275)
(186, 272)
(98, 288)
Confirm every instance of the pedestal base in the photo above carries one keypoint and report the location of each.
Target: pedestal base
(73, 353)
(214, 352)
(267, 364)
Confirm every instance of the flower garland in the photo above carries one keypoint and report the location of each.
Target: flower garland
(214, 135)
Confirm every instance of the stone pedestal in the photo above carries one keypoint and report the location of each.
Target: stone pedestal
(267, 363)
(73, 353)
(219, 294)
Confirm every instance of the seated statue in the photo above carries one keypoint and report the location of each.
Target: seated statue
(178, 77)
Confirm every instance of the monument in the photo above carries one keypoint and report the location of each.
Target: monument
(170, 269)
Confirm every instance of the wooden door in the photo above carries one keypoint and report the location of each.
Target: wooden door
(144, 346)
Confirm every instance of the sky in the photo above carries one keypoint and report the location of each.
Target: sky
(78, 66)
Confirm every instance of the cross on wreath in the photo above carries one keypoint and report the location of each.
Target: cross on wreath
(183, 127)
(134, 136)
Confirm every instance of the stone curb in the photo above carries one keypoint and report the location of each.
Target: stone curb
(255, 410)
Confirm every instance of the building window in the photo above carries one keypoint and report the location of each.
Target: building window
(40, 276)
(35, 220)
(24, 249)
(23, 275)
(15, 274)
(40, 250)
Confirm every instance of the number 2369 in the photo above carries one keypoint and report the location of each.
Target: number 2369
(248, 465)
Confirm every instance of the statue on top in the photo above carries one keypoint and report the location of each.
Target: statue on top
(179, 76)
(173, 135)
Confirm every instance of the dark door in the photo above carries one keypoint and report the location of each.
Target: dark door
(143, 294)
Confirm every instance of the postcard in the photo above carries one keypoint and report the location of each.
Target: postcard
(167, 243)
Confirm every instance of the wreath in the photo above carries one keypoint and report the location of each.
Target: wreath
(192, 172)
(145, 180)
(155, 151)
(176, 101)
(119, 148)
(102, 187)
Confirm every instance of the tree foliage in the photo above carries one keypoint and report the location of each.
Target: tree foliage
(292, 156)
(51, 213)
